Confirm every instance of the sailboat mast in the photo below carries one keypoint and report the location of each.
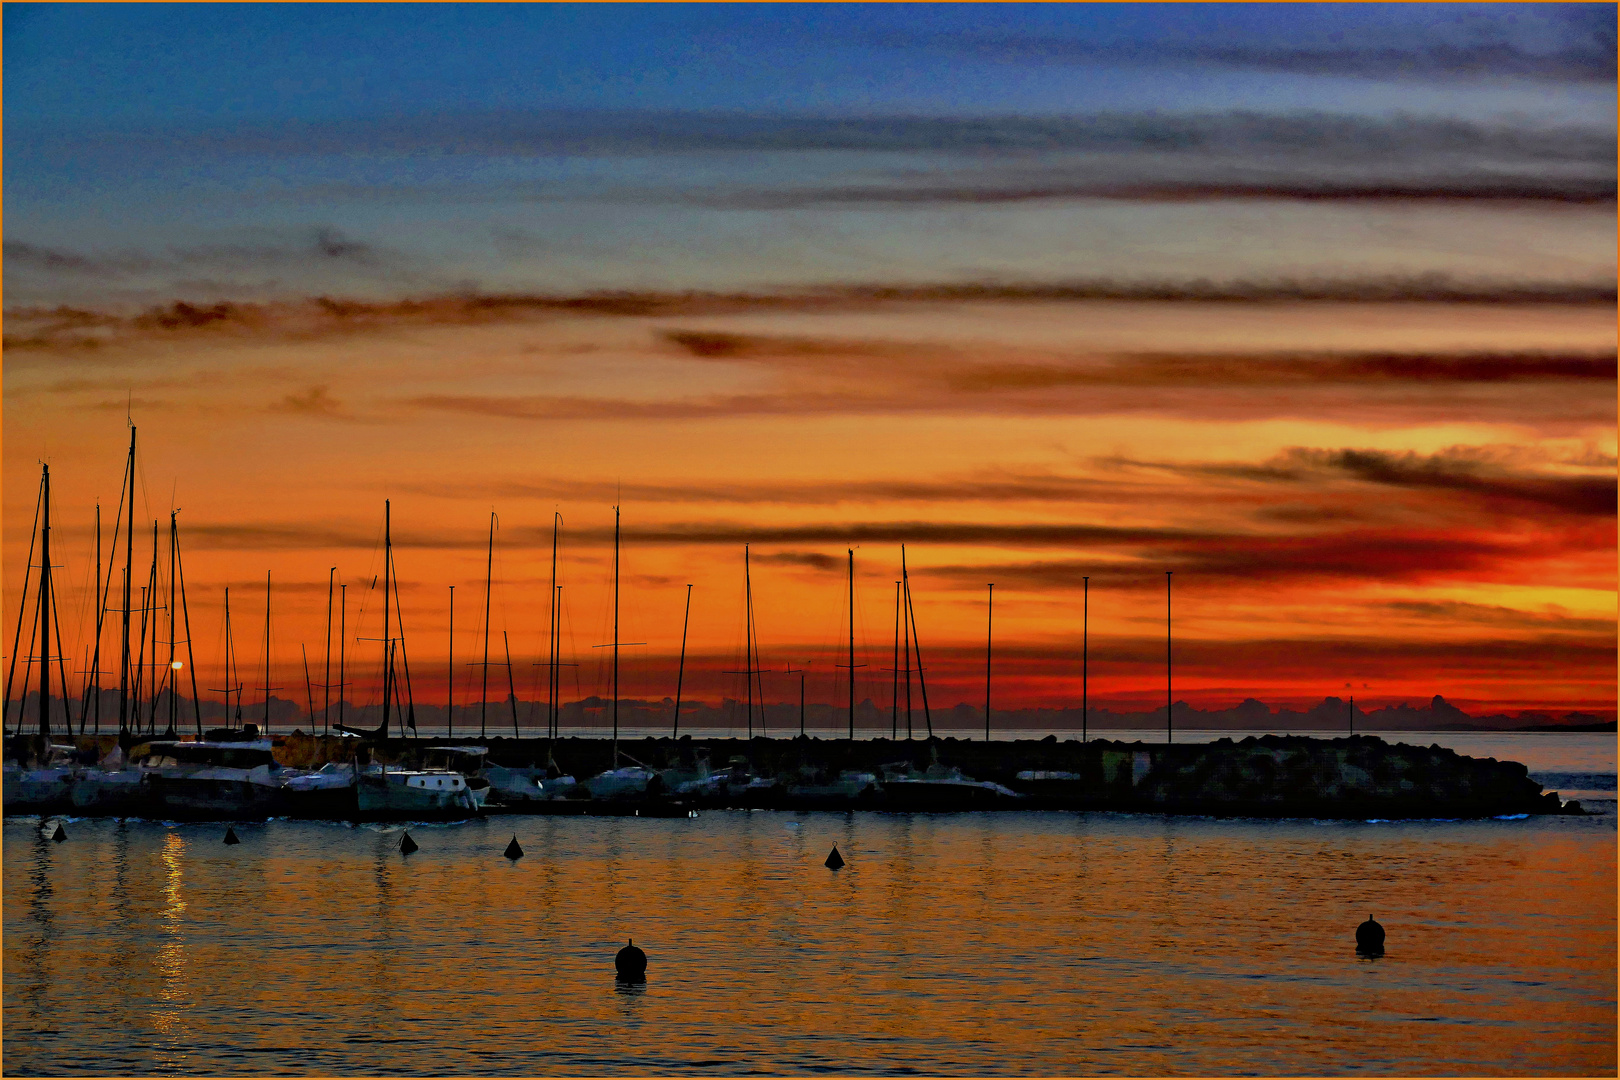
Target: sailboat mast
(450, 673)
(489, 587)
(388, 656)
(851, 644)
(894, 677)
(1085, 655)
(551, 635)
(680, 672)
(185, 612)
(615, 637)
(45, 608)
(266, 729)
(152, 595)
(129, 563)
(174, 686)
(326, 678)
(989, 623)
(228, 683)
(343, 645)
(101, 611)
(748, 639)
(1169, 698)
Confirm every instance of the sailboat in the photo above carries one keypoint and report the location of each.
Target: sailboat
(631, 780)
(385, 794)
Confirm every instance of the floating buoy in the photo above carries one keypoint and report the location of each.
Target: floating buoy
(631, 962)
(230, 835)
(514, 851)
(1370, 938)
(835, 860)
(406, 844)
(60, 834)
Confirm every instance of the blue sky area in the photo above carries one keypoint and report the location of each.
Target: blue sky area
(254, 150)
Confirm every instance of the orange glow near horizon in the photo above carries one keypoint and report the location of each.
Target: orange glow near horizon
(1386, 500)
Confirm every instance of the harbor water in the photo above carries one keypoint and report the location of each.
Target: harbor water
(1006, 943)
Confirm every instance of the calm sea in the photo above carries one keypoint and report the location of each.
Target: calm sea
(1010, 943)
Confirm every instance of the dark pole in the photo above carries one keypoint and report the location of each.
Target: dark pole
(989, 625)
(450, 673)
(343, 644)
(45, 609)
(326, 679)
(551, 635)
(266, 652)
(489, 587)
(309, 690)
(191, 654)
(905, 657)
(851, 644)
(1169, 699)
(894, 678)
(101, 611)
(228, 651)
(1352, 714)
(129, 563)
(801, 700)
(1085, 654)
(911, 613)
(748, 639)
(615, 637)
(680, 674)
(388, 653)
(556, 669)
(174, 685)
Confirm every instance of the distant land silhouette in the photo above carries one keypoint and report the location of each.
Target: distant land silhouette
(1330, 716)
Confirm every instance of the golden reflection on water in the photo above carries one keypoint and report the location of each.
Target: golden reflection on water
(168, 1014)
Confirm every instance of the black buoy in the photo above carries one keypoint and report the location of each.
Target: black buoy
(230, 835)
(406, 844)
(835, 860)
(514, 851)
(1370, 938)
(60, 834)
(631, 962)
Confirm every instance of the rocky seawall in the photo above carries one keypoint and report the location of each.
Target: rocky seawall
(1360, 776)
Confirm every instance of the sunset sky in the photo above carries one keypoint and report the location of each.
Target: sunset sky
(1313, 306)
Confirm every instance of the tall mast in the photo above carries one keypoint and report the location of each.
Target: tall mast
(343, 645)
(894, 678)
(267, 687)
(489, 587)
(851, 644)
(1169, 699)
(228, 683)
(1085, 654)
(174, 684)
(989, 623)
(129, 564)
(615, 637)
(326, 679)
(450, 673)
(45, 608)
(185, 611)
(748, 639)
(680, 672)
(101, 611)
(905, 653)
(388, 655)
(551, 635)
(152, 596)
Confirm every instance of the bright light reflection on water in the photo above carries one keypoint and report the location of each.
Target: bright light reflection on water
(1013, 943)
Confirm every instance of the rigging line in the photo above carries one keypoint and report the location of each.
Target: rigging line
(404, 656)
(191, 656)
